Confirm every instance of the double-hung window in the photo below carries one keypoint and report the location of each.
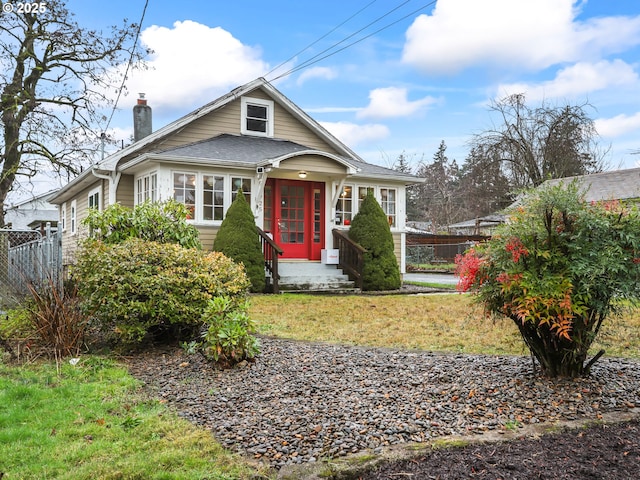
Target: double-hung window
(184, 190)
(63, 217)
(388, 203)
(212, 197)
(207, 196)
(147, 188)
(93, 201)
(344, 206)
(241, 182)
(362, 193)
(257, 117)
(72, 217)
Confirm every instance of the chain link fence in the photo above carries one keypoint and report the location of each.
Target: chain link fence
(27, 257)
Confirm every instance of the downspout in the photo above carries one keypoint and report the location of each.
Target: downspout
(114, 180)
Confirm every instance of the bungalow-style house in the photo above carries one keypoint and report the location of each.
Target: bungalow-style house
(304, 185)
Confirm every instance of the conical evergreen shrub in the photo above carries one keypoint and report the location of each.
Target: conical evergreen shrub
(370, 229)
(238, 240)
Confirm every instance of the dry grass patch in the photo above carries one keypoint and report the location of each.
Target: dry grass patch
(442, 323)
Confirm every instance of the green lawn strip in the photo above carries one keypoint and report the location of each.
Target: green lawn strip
(92, 421)
(442, 286)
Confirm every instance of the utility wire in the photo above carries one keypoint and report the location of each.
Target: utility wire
(321, 38)
(126, 72)
(315, 58)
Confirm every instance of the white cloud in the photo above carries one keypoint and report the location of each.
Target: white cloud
(317, 72)
(577, 81)
(618, 125)
(530, 34)
(193, 64)
(352, 134)
(392, 102)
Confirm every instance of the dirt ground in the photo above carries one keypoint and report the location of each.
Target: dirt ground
(608, 452)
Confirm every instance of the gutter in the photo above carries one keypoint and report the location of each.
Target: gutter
(113, 178)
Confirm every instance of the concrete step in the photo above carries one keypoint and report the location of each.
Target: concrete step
(313, 277)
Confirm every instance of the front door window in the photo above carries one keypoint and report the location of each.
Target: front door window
(292, 217)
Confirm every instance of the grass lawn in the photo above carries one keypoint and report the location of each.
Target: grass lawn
(92, 421)
(439, 322)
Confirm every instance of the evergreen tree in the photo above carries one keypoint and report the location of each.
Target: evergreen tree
(238, 240)
(370, 229)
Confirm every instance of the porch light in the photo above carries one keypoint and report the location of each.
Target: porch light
(302, 174)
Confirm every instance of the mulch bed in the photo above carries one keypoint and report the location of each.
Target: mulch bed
(602, 451)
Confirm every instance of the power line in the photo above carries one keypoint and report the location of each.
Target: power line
(315, 58)
(129, 63)
(321, 38)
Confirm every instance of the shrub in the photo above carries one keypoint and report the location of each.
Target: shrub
(558, 268)
(228, 335)
(156, 222)
(370, 229)
(137, 287)
(57, 319)
(238, 239)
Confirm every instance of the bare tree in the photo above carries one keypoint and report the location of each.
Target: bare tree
(537, 144)
(55, 80)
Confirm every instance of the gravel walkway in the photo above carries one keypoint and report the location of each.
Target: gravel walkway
(299, 402)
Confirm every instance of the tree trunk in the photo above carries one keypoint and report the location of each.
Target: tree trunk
(557, 357)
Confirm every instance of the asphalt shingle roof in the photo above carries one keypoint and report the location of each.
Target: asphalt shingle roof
(244, 149)
(613, 185)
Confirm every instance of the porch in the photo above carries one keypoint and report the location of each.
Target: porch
(301, 275)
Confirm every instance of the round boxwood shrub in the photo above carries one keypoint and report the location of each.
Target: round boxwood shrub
(238, 239)
(136, 288)
(370, 229)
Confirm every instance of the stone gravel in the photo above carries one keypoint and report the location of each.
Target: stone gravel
(299, 402)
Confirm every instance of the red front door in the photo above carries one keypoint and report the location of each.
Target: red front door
(294, 211)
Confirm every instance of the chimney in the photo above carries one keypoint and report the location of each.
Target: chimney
(141, 119)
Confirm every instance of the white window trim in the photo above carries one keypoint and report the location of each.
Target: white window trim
(73, 220)
(199, 198)
(377, 193)
(137, 193)
(256, 101)
(92, 193)
(63, 217)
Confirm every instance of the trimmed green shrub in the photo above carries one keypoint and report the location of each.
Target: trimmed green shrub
(238, 239)
(156, 222)
(370, 229)
(136, 287)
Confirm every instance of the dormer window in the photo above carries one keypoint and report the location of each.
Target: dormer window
(257, 117)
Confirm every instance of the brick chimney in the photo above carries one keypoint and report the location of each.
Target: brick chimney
(141, 119)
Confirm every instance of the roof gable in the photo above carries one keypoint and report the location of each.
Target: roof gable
(155, 139)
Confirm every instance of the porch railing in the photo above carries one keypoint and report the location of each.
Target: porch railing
(271, 253)
(350, 256)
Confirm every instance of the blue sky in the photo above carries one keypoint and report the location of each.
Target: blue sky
(429, 76)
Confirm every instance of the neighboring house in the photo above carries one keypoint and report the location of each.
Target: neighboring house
(32, 214)
(478, 226)
(300, 180)
(612, 185)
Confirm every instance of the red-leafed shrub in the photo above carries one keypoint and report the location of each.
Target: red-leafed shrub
(558, 268)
